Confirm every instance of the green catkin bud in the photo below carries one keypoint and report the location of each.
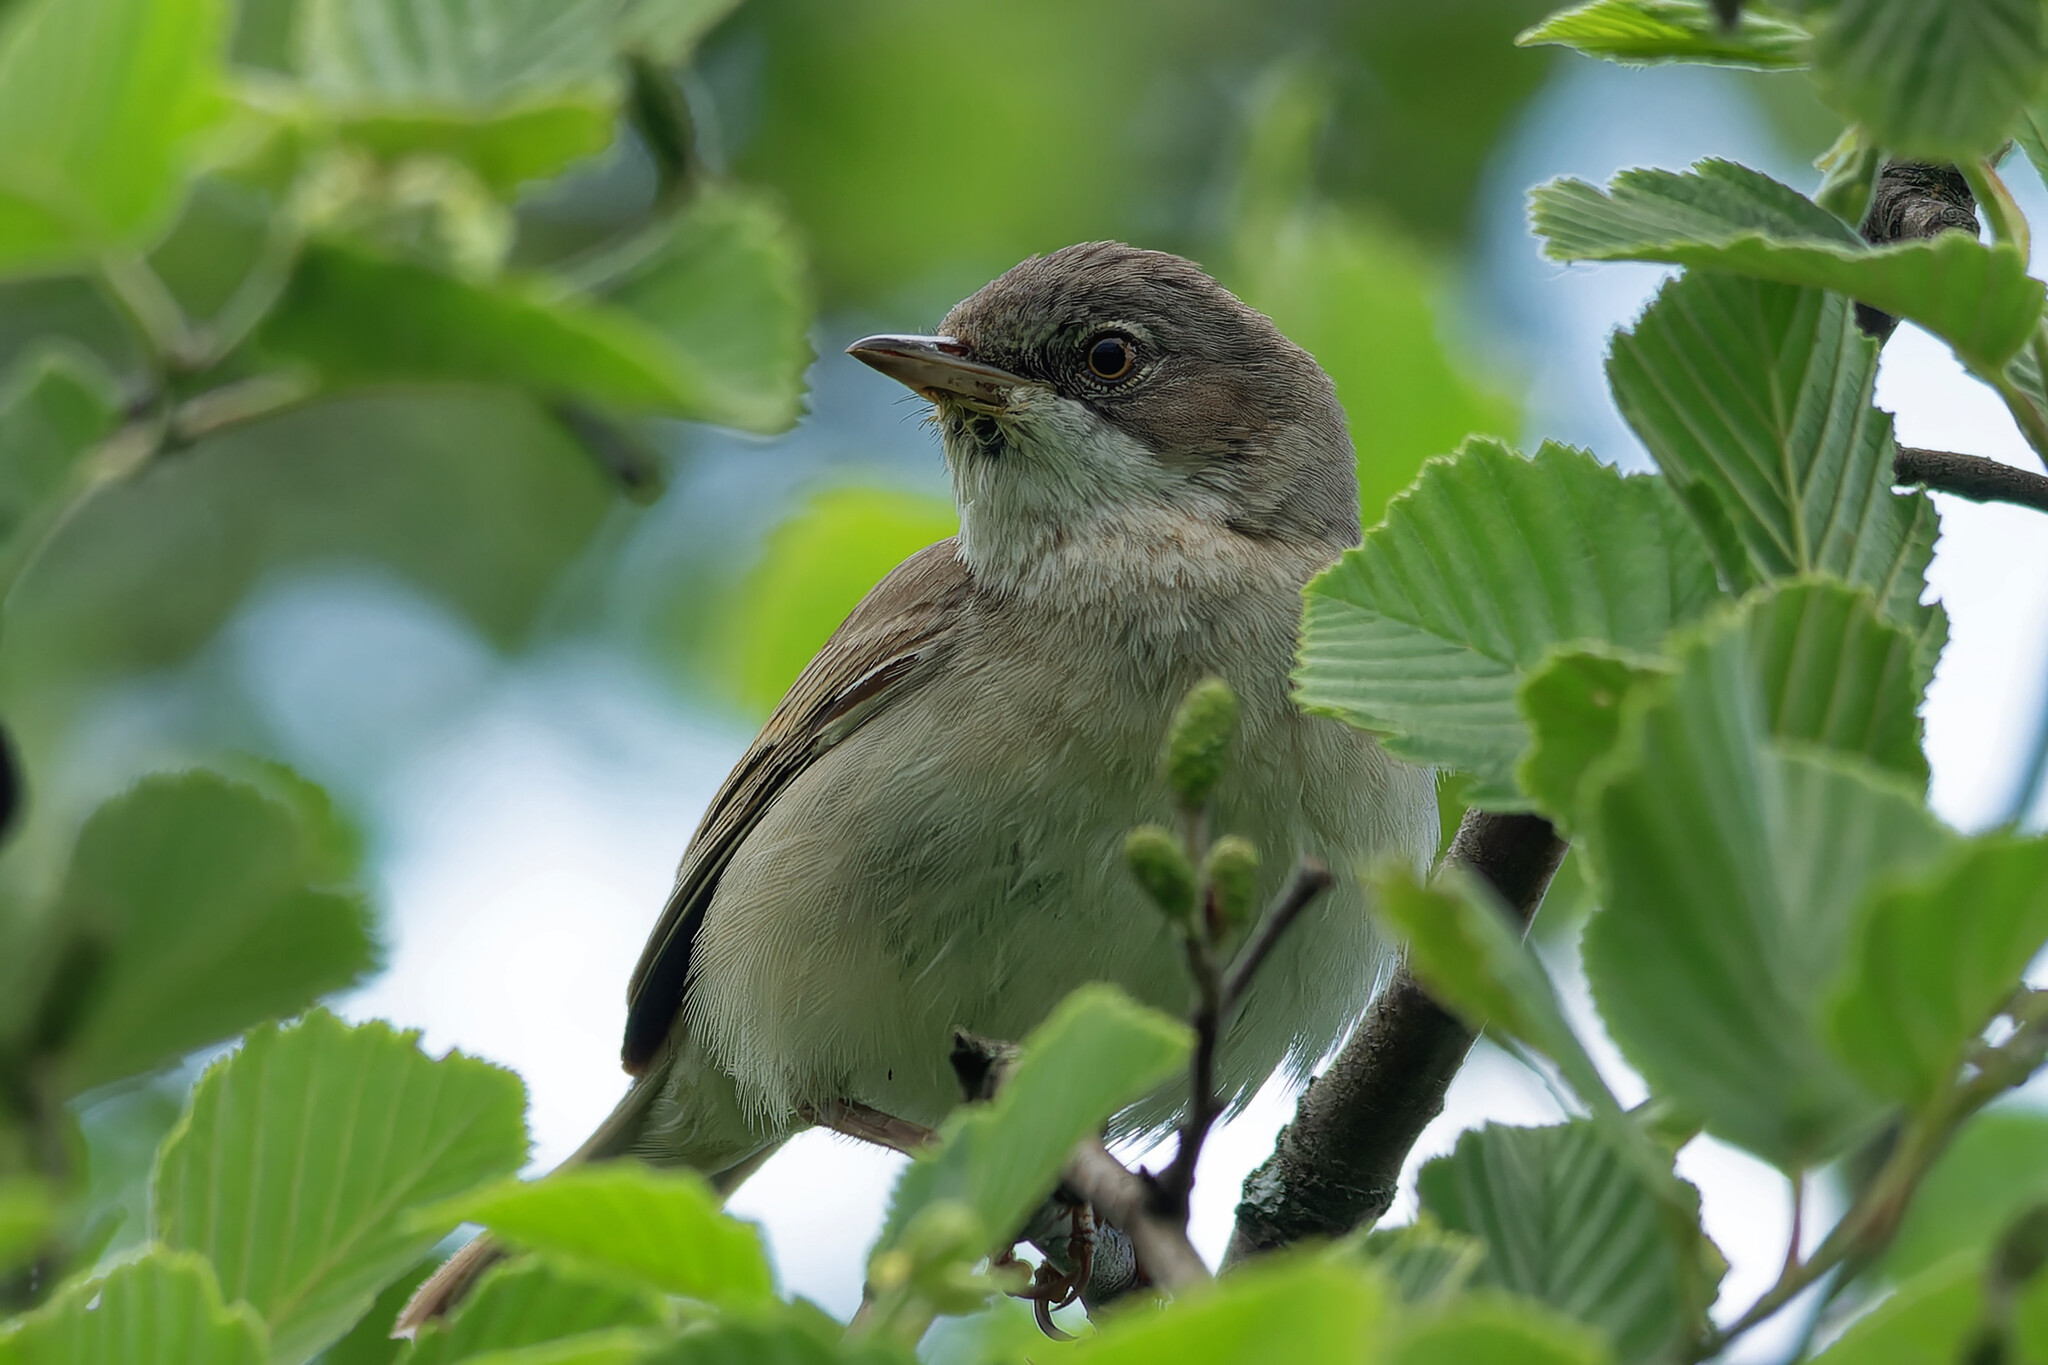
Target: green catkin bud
(1196, 742)
(1232, 872)
(1156, 860)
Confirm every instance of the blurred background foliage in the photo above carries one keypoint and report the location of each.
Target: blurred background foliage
(452, 346)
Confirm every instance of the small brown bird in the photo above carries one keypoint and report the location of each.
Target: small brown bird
(927, 833)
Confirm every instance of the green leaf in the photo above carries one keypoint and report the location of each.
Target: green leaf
(1426, 1264)
(1565, 1223)
(1724, 216)
(1489, 1330)
(1935, 959)
(57, 403)
(28, 1213)
(1754, 399)
(613, 1346)
(1094, 1054)
(1640, 32)
(101, 102)
(164, 1309)
(302, 1153)
(1997, 1164)
(1423, 634)
(814, 569)
(213, 908)
(1363, 300)
(724, 285)
(370, 1342)
(662, 1229)
(1730, 873)
(356, 53)
(1572, 706)
(1928, 1318)
(361, 319)
(1278, 1308)
(1938, 80)
(504, 148)
(523, 1302)
(796, 1334)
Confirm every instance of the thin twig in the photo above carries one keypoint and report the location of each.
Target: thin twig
(1970, 476)
(1310, 880)
(1123, 1198)
(851, 1118)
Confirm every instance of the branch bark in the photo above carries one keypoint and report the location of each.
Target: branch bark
(1337, 1165)
(1970, 476)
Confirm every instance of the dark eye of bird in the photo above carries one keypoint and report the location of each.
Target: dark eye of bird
(1111, 356)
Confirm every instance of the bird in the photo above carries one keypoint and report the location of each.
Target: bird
(927, 834)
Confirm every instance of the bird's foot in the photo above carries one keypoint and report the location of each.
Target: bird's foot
(1052, 1288)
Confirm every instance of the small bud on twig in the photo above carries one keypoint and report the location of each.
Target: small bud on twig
(1157, 860)
(1232, 872)
(1196, 742)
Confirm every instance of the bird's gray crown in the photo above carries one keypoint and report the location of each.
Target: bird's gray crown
(1212, 386)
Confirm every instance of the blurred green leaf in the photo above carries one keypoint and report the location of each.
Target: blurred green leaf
(211, 909)
(1279, 1308)
(57, 403)
(1730, 873)
(1565, 1223)
(1928, 1318)
(1490, 1330)
(477, 497)
(1571, 703)
(662, 1229)
(723, 282)
(28, 1214)
(370, 1342)
(1997, 1164)
(1724, 216)
(1938, 80)
(1755, 400)
(123, 1125)
(164, 1309)
(1426, 1264)
(612, 1346)
(1423, 634)
(1095, 1053)
(1834, 674)
(814, 569)
(272, 1135)
(1935, 959)
(443, 53)
(1362, 300)
(795, 1334)
(667, 30)
(527, 1301)
(1645, 31)
(504, 148)
(360, 318)
(101, 102)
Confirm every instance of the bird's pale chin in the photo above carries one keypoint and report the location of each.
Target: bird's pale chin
(972, 430)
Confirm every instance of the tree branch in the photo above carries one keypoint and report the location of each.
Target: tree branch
(1970, 476)
(1338, 1163)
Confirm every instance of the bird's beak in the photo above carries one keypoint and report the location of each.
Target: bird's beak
(937, 367)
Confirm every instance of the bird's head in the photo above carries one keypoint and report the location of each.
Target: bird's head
(1102, 383)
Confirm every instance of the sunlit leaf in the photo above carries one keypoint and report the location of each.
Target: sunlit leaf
(1730, 871)
(101, 102)
(1645, 31)
(1996, 1165)
(1935, 959)
(302, 1154)
(164, 1309)
(724, 285)
(1930, 1317)
(214, 909)
(1424, 633)
(1286, 1308)
(1755, 400)
(623, 1219)
(528, 1301)
(1935, 79)
(815, 567)
(1095, 1053)
(1565, 1223)
(1496, 1330)
(1724, 216)
(1425, 1263)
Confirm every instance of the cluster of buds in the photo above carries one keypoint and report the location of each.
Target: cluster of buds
(1219, 900)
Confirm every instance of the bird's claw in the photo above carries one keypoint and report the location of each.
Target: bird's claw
(1051, 1288)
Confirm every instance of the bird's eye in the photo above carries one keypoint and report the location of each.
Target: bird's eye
(1111, 356)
